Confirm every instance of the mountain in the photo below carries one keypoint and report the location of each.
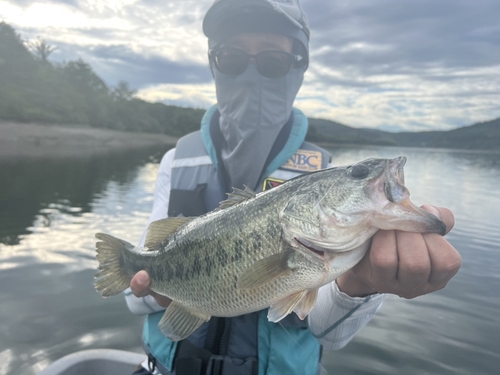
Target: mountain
(334, 132)
(484, 135)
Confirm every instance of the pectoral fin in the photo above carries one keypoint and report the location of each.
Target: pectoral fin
(263, 272)
(306, 304)
(179, 322)
(284, 307)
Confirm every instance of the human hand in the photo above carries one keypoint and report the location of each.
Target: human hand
(406, 264)
(140, 284)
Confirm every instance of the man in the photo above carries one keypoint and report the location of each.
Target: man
(258, 53)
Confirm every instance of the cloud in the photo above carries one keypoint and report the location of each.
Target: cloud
(412, 65)
(389, 64)
(25, 3)
(120, 63)
(144, 70)
(195, 95)
(391, 36)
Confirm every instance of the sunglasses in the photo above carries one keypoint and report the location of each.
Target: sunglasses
(271, 64)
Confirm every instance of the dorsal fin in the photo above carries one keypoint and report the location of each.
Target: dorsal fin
(160, 230)
(236, 197)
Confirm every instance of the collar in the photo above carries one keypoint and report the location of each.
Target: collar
(287, 143)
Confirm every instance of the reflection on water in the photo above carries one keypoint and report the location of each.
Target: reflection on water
(456, 330)
(49, 212)
(43, 188)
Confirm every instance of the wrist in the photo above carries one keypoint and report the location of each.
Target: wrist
(350, 284)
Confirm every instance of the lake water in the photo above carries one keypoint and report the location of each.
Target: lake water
(50, 210)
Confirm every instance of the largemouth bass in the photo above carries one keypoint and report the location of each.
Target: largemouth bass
(273, 249)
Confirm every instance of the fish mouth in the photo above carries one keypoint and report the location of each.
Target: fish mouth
(401, 213)
(394, 185)
(423, 221)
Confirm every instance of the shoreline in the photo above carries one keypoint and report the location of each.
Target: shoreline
(39, 141)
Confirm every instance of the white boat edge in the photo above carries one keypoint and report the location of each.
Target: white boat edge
(95, 361)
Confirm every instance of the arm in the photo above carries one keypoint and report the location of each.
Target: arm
(145, 301)
(337, 317)
(406, 264)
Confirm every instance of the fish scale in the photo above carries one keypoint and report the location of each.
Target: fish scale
(273, 249)
(241, 243)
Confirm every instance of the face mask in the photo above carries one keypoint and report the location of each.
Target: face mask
(253, 110)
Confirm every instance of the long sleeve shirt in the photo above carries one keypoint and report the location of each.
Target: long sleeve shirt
(334, 320)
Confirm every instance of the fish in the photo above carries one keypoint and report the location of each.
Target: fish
(273, 249)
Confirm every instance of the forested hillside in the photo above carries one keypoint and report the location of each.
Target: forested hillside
(481, 136)
(485, 135)
(32, 89)
(334, 132)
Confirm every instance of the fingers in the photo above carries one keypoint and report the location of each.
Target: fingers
(445, 260)
(140, 284)
(410, 264)
(400, 264)
(383, 260)
(414, 263)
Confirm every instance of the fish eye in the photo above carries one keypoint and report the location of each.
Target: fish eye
(359, 171)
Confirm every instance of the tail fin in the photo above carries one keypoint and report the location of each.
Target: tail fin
(111, 278)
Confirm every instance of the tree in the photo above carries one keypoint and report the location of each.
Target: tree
(81, 75)
(41, 49)
(33, 89)
(123, 92)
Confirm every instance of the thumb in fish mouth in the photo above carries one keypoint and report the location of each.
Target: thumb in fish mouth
(444, 214)
(405, 216)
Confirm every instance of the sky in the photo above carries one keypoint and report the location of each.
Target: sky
(394, 65)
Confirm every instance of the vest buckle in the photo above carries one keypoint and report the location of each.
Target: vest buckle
(151, 363)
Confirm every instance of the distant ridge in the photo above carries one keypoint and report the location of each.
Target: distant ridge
(484, 135)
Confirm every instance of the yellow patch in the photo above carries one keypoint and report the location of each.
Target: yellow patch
(304, 161)
(270, 182)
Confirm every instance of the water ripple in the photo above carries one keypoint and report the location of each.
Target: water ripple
(47, 265)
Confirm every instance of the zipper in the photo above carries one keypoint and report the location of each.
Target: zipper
(217, 340)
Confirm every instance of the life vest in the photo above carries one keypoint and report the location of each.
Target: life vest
(197, 187)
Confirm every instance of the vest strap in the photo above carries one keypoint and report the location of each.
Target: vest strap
(192, 360)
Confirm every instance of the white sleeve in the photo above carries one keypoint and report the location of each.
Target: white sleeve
(337, 317)
(148, 305)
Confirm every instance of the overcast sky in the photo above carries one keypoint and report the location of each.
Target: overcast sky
(388, 64)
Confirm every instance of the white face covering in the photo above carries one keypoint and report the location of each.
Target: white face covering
(253, 110)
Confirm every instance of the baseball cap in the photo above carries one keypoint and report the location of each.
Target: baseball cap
(229, 17)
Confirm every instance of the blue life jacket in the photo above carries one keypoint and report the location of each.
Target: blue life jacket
(248, 344)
